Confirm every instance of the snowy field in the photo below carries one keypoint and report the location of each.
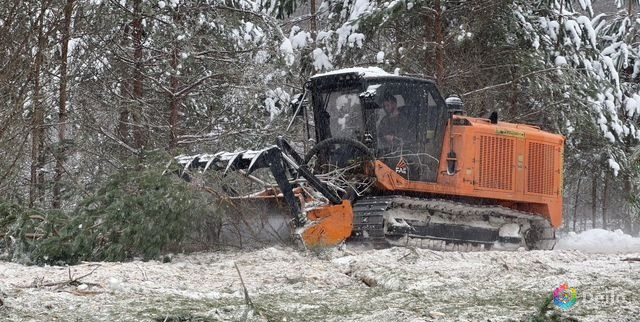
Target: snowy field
(350, 284)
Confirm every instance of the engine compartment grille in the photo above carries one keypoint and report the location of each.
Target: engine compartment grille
(496, 166)
(540, 167)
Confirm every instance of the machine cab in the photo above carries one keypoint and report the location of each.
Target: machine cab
(401, 118)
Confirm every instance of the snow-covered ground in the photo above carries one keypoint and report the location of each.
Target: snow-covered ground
(349, 284)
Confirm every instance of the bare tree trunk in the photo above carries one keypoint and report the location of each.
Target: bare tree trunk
(605, 196)
(37, 118)
(594, 199)
(314, 26)
(173, 99)
(17, 45)
(513, 99)
(123, 119)
(583, 220)
(629, 187)
(399, 40)
(575, 203)
(427, 38)
(139, 129)
(62, 103)
(628, 194)
(437, 26)
(125, 93)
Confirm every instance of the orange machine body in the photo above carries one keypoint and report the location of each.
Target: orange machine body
(327, 225)
(330, 225)
(515, 165)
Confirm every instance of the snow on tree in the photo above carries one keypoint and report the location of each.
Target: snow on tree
(596, 59)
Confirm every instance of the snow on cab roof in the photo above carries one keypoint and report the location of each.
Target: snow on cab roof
(363, 71)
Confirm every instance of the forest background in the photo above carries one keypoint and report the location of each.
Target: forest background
(98, 96)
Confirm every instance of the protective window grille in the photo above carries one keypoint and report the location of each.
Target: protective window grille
(496, 163)
(540, 168)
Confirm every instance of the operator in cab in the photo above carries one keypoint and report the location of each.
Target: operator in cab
(394, 125)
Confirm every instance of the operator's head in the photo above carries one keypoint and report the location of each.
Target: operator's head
(390, 104)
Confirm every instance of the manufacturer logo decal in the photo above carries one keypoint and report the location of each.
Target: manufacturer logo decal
(504, 132)
(401, 167)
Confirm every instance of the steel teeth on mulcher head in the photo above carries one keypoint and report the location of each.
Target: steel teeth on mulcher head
(241, 160)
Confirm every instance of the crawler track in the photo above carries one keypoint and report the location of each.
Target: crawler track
(447, 225)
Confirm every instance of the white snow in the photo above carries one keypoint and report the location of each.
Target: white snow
(585, 23)
(347, 33)
(611, 49)
(355, 39)
(346, 284)
(560, 61)
(509, 230)
(361, 7)
(322, 35)
(613, 72)
(600, 241)
(586, 5)
(363, 71)
(609, 136)
(380, 57)
(298, 38)
(617, 128)
(632, 106)
(275, 100)
(320, 60)
(574, 30)
(286, 48)
(261, 57)
(553, 27)
(614, 166)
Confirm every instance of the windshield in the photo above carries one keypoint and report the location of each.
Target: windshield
(344, 113)
(398, 109)
(408, 126)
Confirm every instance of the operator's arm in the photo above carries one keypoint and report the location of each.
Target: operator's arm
(387, 131)
(384, 130)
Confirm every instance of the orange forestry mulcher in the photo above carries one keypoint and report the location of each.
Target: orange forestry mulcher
(396, 164)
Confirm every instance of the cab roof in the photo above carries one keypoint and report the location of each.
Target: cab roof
(339, 77)
(360, 71)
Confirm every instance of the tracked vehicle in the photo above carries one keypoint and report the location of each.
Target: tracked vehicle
(441, 180)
